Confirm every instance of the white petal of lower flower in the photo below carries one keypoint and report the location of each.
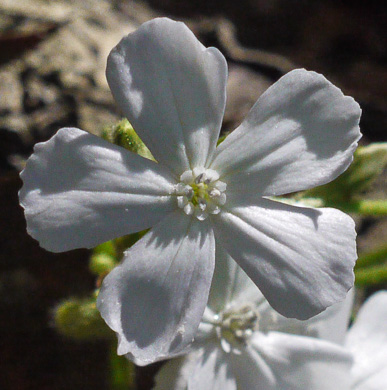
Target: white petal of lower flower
(301, 259)
(230, 284)
(299, 362)
(80, 190)
(332, 324)
(212, 371)
(174, 374)
(173, 91)
(367, 340)
(251, 371)
(156, 298)
(301, 133)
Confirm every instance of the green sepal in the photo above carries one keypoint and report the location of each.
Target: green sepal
(123, 134)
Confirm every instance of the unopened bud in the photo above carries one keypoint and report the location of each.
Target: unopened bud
(79, 319)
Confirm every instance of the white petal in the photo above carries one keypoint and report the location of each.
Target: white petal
(367, 339)
(156, 298)
(252, 371)
(300, 258)
(172, 89)
(80, 190)
(299, 362)
(301, 133)
(332, 324)
(230, 284)
(174, 374)
(212, 371)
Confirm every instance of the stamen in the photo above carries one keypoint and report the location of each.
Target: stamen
(189, 192)
(214, 193)
(182, 201)
(222, 199)
(202, 205)
(189, 208)
(237, 326)
(200, 193)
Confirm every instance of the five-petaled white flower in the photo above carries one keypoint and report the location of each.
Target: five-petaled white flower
(243, 344)
(80, 191)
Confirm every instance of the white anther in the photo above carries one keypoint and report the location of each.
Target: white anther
(221, 200)
(202, 205)
(189, 208)
(213, 208)
(182, 201)
(201, 215)
(214, 193)
(225, 345)
(189, 192)
(220, 185)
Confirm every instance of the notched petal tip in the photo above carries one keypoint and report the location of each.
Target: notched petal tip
(162, 77)
(301, 258)
(301, 133)
(80, 190)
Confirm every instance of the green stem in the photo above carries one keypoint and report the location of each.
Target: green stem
(122, 374)
(372, 258)
(363, 207)
(371, 275)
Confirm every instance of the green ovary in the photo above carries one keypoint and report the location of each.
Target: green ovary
(200, 192)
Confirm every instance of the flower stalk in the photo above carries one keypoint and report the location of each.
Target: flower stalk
(372, 258)
(122, 372)
(371, 276)
(364, 207)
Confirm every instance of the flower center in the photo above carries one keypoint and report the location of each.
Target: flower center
(236, 326)
(200, 192)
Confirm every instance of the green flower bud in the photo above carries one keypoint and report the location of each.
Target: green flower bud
(101, 263)
(79, 319)
(108, 248)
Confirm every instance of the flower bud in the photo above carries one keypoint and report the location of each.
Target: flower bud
(79, 319)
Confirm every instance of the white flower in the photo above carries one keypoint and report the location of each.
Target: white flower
(243, 344)
(367, 340)
(80, 191)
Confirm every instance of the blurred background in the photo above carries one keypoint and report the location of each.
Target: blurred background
(52, 64)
